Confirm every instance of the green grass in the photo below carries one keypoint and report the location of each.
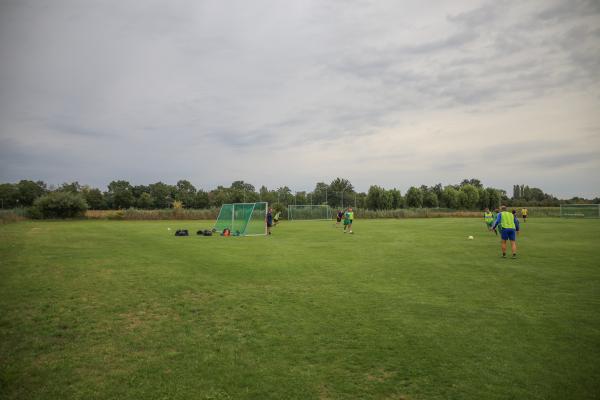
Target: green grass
(402, 309)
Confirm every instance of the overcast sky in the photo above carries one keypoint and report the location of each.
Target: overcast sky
(394, 93)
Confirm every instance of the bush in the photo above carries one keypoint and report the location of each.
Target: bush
(60, 205)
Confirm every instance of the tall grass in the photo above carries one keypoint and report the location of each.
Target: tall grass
(12, 215)
(445, 212)
(164, 214)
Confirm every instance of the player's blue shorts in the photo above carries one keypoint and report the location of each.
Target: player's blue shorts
(508, 234)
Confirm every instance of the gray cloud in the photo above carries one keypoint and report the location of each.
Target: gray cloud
(143, 90)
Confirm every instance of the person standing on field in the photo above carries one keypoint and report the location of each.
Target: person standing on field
(488, 217)
(339, 217)
(348, 219)
(510, 228)
(269, 220)
(524, 214)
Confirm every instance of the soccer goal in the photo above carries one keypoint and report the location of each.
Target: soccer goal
(243, 219)
(296, 212)
(580, 210)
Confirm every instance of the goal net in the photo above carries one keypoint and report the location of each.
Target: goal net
(243, 219)
(296, 212)
(580, 210)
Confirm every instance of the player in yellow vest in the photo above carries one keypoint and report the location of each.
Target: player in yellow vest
(348, 219)
(488, 217)
(524, 214)
(510, 227)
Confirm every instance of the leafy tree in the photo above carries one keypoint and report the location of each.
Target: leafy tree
(29, 191)
(470, 198)
(9, 193)
(145, 201)
(61, 205)
(120, 194)
(139, 189)
(284, 195)
(186, 193)
(494, 198)
(341, 193)
(516, 192)
(451, 197)
(375, 197)
(430, 199)
(397, 201)
(162, 193)
(73, 187)
(438, 190)
(483, 201)
(201, 199)
(473, 182)
(361, 200)
(219, 196)
(93, 197)
(341, 185)
(320, 194)
(242, 192)
(414, 197)
(380, 199)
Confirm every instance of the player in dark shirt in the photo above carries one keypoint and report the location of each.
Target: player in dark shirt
(269, 220)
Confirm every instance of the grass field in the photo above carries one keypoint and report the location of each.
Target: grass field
(402, 309)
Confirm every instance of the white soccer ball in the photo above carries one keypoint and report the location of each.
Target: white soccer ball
(168, 229)
(470, 237)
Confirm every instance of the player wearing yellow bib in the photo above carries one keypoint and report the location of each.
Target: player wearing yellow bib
(488, 217)
(348, 218)
(510, 227)
(524, 214)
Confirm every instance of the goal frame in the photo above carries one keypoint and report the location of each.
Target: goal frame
(579, 215)
(292, 206)
(264, 217)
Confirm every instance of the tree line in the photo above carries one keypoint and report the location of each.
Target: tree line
(470, 194)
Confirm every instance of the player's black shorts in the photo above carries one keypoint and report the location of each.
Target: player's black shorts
(269, 224)
(338, 219)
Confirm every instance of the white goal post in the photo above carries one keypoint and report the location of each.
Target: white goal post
(580, 210)
(308, 212)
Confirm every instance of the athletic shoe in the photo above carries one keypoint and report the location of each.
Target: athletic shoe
(514, 256)
(503, 255)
